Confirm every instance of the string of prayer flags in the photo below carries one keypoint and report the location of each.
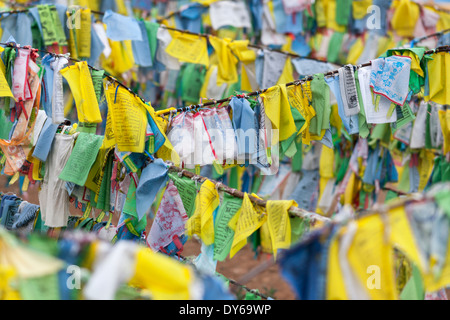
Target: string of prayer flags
(126, 174)
(37, 265)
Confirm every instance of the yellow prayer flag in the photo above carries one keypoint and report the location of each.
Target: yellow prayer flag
(206, 2)
(415, 61)
(167, 151)
(331, 17)
(36, 169)
(246, 85)
(278, 110)
(402, 237)
(241, 50)
(299, 97)
(121, 58)
(84, 34)
(163, 277)
(439, 82)
(444, 119)
(403, 26)
(129, 118)
(287, 75)
(121, 7)
(335, 285)
(202, 221)
(433, 284)
(248, 219)
(359, 8)
(426, 165)
(355, 51)
(188, 48)
(227, 72)
(80, 81)
(371, 258)
(266, 241)
(279, 224)
(443, 22)
(5, 90)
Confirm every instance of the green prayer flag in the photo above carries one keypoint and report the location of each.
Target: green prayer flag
(414, 288)
(188, 192)
(363, 126)
(334, 48)
(5, 126)
(321, 104)
(42, 288)
(223, 234)
(82, 158)
(343, 11)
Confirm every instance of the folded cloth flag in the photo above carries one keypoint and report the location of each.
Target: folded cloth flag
(348, 90)
(82, 158)
(27, 214)
(390, 78)
(244, 125)
(152, 179)
(120, 28)
(45, 140)
(170, 220)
